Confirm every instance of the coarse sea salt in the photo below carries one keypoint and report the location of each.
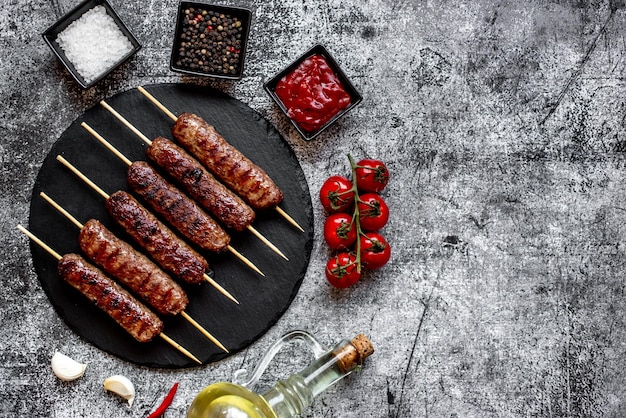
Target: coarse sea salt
(94, 43)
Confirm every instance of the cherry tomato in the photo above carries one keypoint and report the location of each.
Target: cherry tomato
(371, 175)
(342, 271)
(336, 194)
(339, 231)
(373, 212)
(375, 250)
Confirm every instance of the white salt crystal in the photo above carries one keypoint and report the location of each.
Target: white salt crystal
(94, 43)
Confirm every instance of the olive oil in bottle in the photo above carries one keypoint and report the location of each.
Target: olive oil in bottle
(287, 398)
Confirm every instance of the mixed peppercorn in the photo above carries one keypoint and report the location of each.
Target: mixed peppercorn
(210, 42)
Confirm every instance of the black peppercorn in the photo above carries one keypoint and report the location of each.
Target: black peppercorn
(209, 41)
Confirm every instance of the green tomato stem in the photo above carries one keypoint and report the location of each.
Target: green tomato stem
(355, 215)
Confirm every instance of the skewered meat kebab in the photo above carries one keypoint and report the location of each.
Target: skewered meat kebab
(187, 218)
(201, 185)
(132, 269)
(235, 213)
(130, 314)
(227, 163)
(182, 212)
(165, 247)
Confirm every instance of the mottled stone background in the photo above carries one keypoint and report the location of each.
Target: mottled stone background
(503, 125)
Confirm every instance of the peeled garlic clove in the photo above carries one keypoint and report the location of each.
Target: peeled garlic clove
(121, 386)
(66, 368)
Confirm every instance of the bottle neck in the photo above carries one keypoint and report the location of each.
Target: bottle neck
(292, 396)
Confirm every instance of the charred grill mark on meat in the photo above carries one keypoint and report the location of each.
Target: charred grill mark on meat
(226, 162)
(167, 249)
(120, 305)
(133, 269)
(201, 185)
(182, 212)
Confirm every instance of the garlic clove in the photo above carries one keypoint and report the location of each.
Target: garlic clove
(121, 386)
(65, 368)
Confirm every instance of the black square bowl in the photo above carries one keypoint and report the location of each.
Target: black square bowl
(198, 26)
(50, 36)
(355, 96)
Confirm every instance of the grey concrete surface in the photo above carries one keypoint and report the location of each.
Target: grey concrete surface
(502, 124)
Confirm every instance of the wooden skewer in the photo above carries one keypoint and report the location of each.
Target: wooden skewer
(204, 331)
(157, 103)
(175, 118)
(75, 221)
(179, 347)
(288, 218)
(129, 163)
(106, 196)
(137, 132)
(265, 241)
(58, 257)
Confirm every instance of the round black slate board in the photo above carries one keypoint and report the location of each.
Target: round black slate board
(263, 299)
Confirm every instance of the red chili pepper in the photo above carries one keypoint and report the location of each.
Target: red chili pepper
(166, 402)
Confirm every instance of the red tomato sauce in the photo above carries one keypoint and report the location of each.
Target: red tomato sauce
(312, 93)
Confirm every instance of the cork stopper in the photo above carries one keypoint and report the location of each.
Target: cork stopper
(363, 346)
(352, 355)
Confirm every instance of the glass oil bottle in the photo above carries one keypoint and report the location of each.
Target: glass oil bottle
(289, 397)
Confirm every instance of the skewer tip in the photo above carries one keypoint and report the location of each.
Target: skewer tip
(204, 331)
(267, 242)
(289, 218)
(244, 260)
(157, 103)
(179, 348)
(220, 289)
